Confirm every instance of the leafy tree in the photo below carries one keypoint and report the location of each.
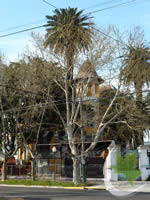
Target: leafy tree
(128, 127)
(27, 97)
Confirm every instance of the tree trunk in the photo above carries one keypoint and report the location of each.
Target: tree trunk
(82, 146)
(76, 171)
(139, 100)
(138, 91)
(83, 170)
(33, 169)
(4, 171)
(69, 54)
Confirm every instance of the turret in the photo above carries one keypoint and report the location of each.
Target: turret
(87, 74)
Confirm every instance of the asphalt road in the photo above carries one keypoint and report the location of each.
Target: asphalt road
(20, 193)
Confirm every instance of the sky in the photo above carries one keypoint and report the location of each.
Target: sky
(17, 15)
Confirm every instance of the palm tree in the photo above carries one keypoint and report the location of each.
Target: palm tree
(68, 32)
(136, 68)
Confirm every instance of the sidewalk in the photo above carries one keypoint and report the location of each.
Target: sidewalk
(138, 186)
(100, 184)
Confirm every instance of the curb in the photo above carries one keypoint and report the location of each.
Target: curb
(74, 188)
(32, 186)
(96, 188)
(58, 187)
(86, 188)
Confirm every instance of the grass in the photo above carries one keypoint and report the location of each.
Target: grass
(40, 183)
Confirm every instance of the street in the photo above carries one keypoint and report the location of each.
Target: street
(26, 193)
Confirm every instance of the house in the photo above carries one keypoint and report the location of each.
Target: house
(88, 90)
(59, 161)
(88, 84)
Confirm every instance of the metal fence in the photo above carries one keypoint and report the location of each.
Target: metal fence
(18, 170)
(55, 169)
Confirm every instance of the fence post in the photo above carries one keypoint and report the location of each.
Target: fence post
(111, 160)
(143, 162)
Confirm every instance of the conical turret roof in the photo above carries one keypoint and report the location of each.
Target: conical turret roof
(86, 71)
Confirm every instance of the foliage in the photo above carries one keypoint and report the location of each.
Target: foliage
(128, 126)
(136, 68)
(66, 29)
(68, 32)
(27, 90)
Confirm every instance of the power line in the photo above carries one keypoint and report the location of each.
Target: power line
(117, 5)
(49, 4)
(37, 27)
(119, 41)
(34, 93)
(23, 25)
(100, 4)
(88, 142)
(63, 101)
(25, 30)
(21, 90)
(38, 21)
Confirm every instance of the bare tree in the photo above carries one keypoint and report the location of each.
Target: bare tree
(73, 119)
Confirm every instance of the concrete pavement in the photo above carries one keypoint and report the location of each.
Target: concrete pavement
(138, 186)
(14, 193)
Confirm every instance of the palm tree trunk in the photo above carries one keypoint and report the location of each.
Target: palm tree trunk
(139, 99)
(138, 91)
(69, 54)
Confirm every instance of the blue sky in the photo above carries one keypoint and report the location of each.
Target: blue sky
(32, 13)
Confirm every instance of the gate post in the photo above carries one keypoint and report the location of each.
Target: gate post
(143, 162)
(111, 160)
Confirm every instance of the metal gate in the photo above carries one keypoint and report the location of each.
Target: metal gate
(94, 167)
